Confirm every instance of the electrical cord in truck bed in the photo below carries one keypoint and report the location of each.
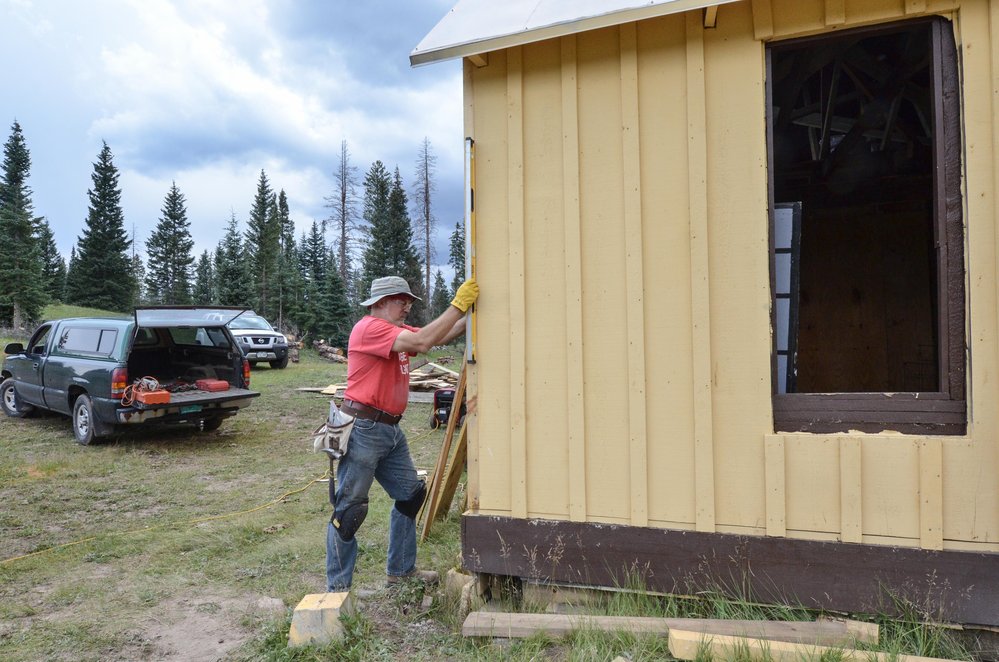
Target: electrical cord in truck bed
(143, 384)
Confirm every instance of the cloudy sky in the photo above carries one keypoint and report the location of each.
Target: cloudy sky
(209, 92)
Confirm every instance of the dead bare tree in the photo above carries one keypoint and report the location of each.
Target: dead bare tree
(343, 217)
(423, 189)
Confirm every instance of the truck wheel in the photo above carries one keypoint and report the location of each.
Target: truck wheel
(12, 405)
(84, 421)
(280, 363)
(211, 424)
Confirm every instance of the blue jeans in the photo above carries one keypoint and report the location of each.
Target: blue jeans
(376, 451)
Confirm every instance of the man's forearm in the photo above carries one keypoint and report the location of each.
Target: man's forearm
(456, 330)
(439, 331)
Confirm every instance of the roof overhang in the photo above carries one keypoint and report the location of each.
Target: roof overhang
(473, 27)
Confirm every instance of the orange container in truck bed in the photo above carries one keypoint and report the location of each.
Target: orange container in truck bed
(152, 397)
(212, 384)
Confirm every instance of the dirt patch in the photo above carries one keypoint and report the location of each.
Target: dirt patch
(204, 627)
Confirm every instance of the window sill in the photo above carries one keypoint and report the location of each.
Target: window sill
(908, 413)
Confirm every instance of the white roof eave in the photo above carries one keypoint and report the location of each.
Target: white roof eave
(473, 27)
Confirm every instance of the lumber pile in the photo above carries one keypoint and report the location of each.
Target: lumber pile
(329, 352)
(432, 376)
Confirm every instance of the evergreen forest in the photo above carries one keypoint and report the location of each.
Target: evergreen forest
(307, 284)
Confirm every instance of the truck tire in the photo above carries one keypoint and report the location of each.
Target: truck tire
(210, 424)
(84, 422)
(280, 363)
(12, 405)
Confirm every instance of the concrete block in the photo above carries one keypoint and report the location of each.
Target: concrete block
(316, 619)
(455, 582)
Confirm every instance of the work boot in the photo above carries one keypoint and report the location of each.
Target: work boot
(428, 577)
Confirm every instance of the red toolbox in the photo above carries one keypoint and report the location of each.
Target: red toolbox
(152, 397)
(212, 385)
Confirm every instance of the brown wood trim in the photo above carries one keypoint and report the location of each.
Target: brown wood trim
(952, 224)
(911, 413)
(958, 587)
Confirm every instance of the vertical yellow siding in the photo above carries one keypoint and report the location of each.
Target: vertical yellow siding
(492, 445)
(666, 234)
(623, 369)
(971, 509)
(776, 491)
(605, 342)
(931, 494)
(576, 422)
(700, 291)
(634, 275)
(517, 324)
(739, 264)
(546, 280)
(851, 489)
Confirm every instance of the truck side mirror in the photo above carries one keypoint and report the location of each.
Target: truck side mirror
(14, 348)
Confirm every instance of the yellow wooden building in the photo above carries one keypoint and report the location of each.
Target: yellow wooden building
(739, 311)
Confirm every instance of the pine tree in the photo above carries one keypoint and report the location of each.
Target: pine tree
(204, 281)
(72, 267)
(441, 298)
(390, 247)
(426, 223)
(289, 279)
(343, 217)
(21, 269)
(311, 266)
(230, 268)
(138, 276)
(333, 321)
(169, 263)
(456, 258)
(263, 245)
(103, 274)
(53, 264)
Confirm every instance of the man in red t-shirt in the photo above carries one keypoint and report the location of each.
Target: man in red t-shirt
(377, 393)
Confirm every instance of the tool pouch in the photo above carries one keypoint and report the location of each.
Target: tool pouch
(333, 435)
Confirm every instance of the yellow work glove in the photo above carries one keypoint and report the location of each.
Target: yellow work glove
(466, 295)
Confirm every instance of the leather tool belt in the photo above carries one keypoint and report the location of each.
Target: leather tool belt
(361, 410)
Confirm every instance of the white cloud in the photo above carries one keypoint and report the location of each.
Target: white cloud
(208, 92)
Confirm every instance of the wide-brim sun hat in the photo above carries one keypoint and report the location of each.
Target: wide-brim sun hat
(386, 287)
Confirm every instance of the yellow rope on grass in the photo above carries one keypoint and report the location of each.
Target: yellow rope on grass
(153, 527)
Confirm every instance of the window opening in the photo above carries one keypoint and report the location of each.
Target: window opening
(866, 238)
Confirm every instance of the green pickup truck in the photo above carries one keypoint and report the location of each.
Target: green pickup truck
(164, 365)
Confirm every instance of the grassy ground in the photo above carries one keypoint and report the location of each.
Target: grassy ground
(172, 544)
(148, 580)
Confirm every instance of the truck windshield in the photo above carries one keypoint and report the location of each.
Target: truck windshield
(250, 322)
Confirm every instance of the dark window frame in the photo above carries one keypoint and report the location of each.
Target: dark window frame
(942, 412)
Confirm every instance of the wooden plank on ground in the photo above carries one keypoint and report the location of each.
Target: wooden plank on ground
(452, 475)
(689, 645)
(513, 625)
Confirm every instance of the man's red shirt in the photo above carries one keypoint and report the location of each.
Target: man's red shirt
(377, 376)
